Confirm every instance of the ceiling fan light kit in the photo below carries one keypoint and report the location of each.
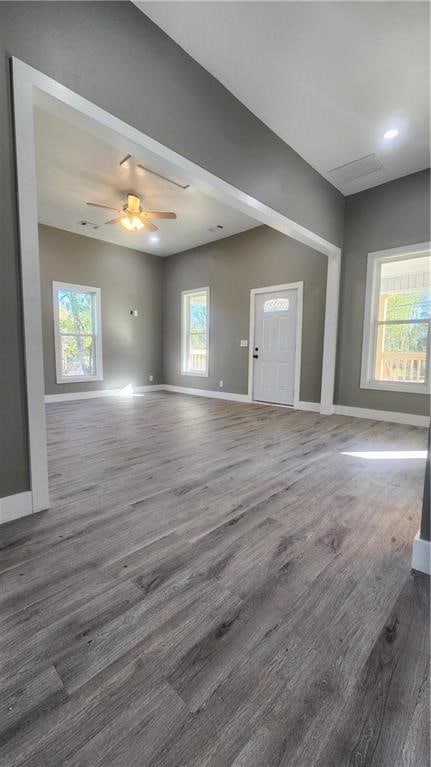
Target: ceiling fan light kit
(133, 217)
(132, 223)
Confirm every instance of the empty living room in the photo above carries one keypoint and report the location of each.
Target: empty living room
(215, 296)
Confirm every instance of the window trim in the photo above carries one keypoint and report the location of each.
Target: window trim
(184, 330)
(374, 262)
(56, 286)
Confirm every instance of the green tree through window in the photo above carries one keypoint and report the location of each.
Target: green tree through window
(76, 340)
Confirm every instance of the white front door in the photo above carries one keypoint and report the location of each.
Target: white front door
(274, 347)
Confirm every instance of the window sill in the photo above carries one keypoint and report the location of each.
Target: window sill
(406, 388)
(78, 379)
(194, 373)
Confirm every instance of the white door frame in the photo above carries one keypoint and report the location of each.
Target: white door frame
(299, 287)
(27, 81)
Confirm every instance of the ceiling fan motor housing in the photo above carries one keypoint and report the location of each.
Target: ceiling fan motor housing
(133, 204)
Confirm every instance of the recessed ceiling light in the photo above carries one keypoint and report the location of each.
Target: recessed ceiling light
(154, 238)
(391, 133)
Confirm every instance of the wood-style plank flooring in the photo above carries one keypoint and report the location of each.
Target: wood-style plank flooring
(216, 584)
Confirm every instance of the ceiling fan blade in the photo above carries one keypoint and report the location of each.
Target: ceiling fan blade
(114, 220)
(106, 207)
(148, 225)
(158, 214)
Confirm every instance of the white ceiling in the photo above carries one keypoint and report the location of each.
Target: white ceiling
(328, 77)
(74, 166)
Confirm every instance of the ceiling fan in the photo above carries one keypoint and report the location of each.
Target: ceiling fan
(133, 217)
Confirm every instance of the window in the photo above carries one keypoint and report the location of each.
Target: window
(396, 344)
(276, 305)
(195, 325)
(77, 328)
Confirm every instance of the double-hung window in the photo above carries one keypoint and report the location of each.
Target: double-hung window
(396, 346)
(195, 332)
(78, 334)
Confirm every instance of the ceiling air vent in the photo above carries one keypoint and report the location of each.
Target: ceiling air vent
(356, 169)
(214, 228)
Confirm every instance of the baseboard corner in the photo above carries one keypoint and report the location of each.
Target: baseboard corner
(16, 506)
(421, 554)
(313, 407)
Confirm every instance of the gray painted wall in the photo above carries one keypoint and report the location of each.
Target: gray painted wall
(394, 214)
(231, 267)
(113, 55)
(132, 347)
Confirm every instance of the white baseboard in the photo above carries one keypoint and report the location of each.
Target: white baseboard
(126, 391)
(232, 396)
(301, 405)
(314, 407)
(207, 393)
(383, 415)
(421, 555)
(15, 506)
(354, 412)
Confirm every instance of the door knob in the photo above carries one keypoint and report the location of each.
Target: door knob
(255, 356)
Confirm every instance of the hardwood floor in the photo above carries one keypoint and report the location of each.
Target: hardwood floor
(216, 584)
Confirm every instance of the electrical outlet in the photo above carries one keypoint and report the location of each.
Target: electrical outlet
(220, 383)
(150, 378)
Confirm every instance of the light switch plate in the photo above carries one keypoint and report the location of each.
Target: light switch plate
(243, 342)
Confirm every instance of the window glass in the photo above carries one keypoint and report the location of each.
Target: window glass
(78, 343)
(195, 332)
(276, 305)
(402, 322)
(76, 311)
(77, 355)
(401, 352)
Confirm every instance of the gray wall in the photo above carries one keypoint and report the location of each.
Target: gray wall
(231, 267)
(394, 214)
(113, 55)
(128, 280)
